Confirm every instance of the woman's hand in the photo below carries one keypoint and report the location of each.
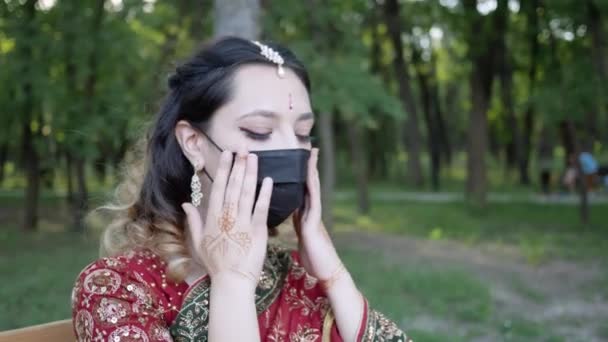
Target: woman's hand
(320, 259)
(317, 252)
(231, 244)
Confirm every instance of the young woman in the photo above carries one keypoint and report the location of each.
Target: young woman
(228, 159)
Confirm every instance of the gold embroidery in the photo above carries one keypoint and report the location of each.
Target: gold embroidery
(83, 324)
(327, 324)
(265, 281)
(101, 282)
(297, 270)
(310, 282)
(304, 334)
(191, 327)
(277, 332)
(111, 310)
(381, 329)
(300, 300)
(128, 333)
(387, 328)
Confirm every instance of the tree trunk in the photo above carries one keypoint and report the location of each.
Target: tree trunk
(328, 164)
(3, 158)
(99, 165)
(572, 143)
(237, 18)
(477, 140)
(72, 90)
(601, 67)
(505, 74)
(545, 158)
(429, 118)
(450, 105)
(442, 134)
(359, 165)
(597, 39)
(482, 45)
(377, 153)
(412, 132)
(80, 203)
(529, 115)
(69, 178)
(30, 154)
(327, 149)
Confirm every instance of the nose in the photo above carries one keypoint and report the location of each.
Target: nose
(289, 140)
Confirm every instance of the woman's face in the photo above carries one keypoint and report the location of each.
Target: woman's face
(265, 112)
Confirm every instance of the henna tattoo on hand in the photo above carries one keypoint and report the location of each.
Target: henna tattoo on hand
(248, 274)
(227, 220)
(226, 238)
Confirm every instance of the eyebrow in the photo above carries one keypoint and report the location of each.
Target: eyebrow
(273, 115)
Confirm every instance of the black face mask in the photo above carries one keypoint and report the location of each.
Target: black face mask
(288, 170)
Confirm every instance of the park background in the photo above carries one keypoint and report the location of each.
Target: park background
(435, 119)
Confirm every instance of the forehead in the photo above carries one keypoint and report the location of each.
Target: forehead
(258, 86)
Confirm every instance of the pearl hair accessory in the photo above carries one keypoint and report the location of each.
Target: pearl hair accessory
(272, 56)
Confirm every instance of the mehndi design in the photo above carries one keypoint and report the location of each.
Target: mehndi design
(227, 237)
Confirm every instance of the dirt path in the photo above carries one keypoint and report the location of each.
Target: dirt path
(558, 294)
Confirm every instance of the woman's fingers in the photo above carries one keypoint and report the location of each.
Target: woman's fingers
(314, 186)
(195, 223)
(260, 214)
(235, 183)
(216, 199)
(249, 187)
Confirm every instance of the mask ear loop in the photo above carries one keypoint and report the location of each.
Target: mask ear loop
(216, 146)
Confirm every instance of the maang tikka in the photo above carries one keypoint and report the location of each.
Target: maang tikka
(272, 56)
(195, 185)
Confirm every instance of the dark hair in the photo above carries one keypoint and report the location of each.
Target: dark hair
(199, 86)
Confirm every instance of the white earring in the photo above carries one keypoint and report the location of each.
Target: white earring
(195, 185)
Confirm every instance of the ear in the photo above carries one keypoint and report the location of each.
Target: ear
(191, 142)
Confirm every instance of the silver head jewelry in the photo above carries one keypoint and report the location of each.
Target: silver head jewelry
(272, 56)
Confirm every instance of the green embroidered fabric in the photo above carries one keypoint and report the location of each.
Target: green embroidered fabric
(192, 320)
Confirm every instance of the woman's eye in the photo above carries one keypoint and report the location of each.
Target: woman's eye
(256, 136)
(305, 138)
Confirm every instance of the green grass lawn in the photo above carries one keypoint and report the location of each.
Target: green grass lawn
(38, 271)
(540, 231)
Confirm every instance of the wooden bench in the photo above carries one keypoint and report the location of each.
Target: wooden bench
(58, 331)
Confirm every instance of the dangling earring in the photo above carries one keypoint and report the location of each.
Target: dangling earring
(195, 185)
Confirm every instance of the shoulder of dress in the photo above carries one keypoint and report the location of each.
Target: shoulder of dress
(138, 273)
(140, 265)
(277, 250)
